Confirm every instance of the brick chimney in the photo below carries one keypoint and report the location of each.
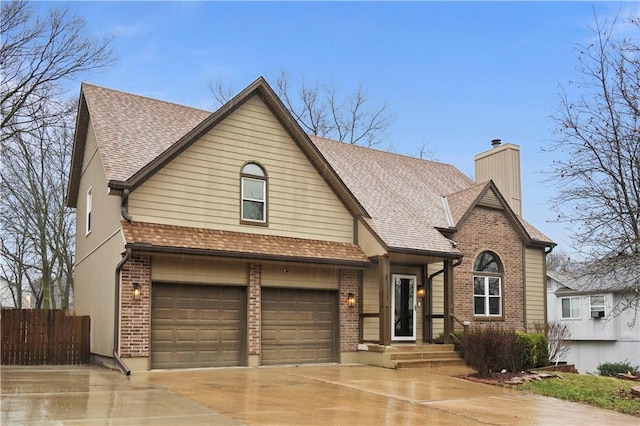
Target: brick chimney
(502, 164)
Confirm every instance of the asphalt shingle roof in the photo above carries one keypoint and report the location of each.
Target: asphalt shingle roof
(153, 236)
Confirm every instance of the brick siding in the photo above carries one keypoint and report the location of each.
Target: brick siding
(349, 315)
(488, 229)
(135, 315)
(254, 322)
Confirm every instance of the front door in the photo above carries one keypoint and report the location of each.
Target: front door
(403, 307)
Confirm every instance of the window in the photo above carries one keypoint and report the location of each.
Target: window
(254, 194)
(570, 307)
(597, 306)
(487, 285)
(89, 208)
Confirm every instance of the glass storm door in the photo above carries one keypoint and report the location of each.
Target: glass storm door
(403, 307)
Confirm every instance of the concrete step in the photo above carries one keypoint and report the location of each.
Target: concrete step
(445, 362)
(399, 356)
(423, 348)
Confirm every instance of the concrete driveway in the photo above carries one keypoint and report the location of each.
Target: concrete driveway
(310, 395)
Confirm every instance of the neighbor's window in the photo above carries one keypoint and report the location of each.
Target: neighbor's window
(254, 193)
(89, 208)
(570, 307)
(487, 285)
(597, 306)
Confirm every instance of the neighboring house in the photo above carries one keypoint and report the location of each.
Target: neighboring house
(7, 298)
(234, 238)
(597, 334)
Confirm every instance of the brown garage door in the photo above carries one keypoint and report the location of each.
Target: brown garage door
(298, 326)
(196, 326)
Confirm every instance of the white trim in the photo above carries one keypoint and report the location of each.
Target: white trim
(88, 216)
(570, 298)
(263, 201)
(393, 304)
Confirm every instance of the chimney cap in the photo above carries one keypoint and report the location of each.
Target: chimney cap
(496, 142)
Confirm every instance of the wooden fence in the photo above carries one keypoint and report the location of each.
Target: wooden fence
(44, 336)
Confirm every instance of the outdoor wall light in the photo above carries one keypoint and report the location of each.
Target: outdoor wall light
(137, 292)
(421, 292)
(351, 300)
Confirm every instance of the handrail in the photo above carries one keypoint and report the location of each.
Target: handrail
(465, 328)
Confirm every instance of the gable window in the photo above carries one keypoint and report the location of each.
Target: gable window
(570, 307)
(597, 306)
(254, 194)
(487, 285)
(89, 211)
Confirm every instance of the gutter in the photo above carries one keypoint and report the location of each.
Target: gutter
(116, 320)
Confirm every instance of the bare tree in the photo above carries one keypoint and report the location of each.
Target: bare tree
(598, 175)
(558, 335)
(322, 109)
(38, 55)
(558, 261)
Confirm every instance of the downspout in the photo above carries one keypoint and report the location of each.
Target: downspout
(116, 322)
(429, 291)
(124, 206)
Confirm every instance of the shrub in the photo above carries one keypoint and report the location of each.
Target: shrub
(612, 369)
(493, 349)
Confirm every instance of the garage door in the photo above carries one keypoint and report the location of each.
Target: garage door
(298, 326)
(196, 326)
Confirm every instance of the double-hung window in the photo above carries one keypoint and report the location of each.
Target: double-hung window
(570, 307)
(487, 285)
(254, 194)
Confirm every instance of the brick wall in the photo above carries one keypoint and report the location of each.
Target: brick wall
(349, 315)
(488, 229)
(254, 321)
(135, 314)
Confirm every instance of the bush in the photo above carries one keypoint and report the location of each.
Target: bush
(493, 349)
(533, 350)
(612, 369)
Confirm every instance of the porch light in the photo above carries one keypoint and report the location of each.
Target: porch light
(421, 292)
(137, 293)
(351, 300)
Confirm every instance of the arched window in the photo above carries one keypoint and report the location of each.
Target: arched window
(487, 285)
(254, 193)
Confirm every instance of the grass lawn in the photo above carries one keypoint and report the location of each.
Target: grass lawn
(604, 392)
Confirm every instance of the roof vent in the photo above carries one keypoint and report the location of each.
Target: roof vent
(496, 142)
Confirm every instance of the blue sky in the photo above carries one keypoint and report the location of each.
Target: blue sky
(454, 74)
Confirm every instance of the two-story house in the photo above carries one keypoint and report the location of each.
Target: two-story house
(597, 332)
(234, 238)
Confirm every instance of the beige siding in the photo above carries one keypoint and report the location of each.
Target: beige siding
(371, 329)
(502, 164)
(97, 253)
(490, 199)
(201, 187)
(298, 275)
(370, 290)
(437, 297)
(368, 241)
(534, 286)
(199, 270)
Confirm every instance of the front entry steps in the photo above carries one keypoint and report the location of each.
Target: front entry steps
(409, 355)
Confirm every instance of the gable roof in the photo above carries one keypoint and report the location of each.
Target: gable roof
(137, 136)
(406, 201)
(580, 281)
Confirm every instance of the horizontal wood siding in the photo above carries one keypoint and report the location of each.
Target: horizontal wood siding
(490, 199)
(534, 286)
(300, 276)
(199, 270)
(201, 187)
(370, 290)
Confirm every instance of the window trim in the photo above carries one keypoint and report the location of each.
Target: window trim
(88, 222)
(604, 306)
(486, 296)
(265, 193)
(578, 300)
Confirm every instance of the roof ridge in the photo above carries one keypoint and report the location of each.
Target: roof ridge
(368, 148)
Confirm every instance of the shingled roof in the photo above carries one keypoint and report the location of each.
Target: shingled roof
(154, 237)
(401, 198)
